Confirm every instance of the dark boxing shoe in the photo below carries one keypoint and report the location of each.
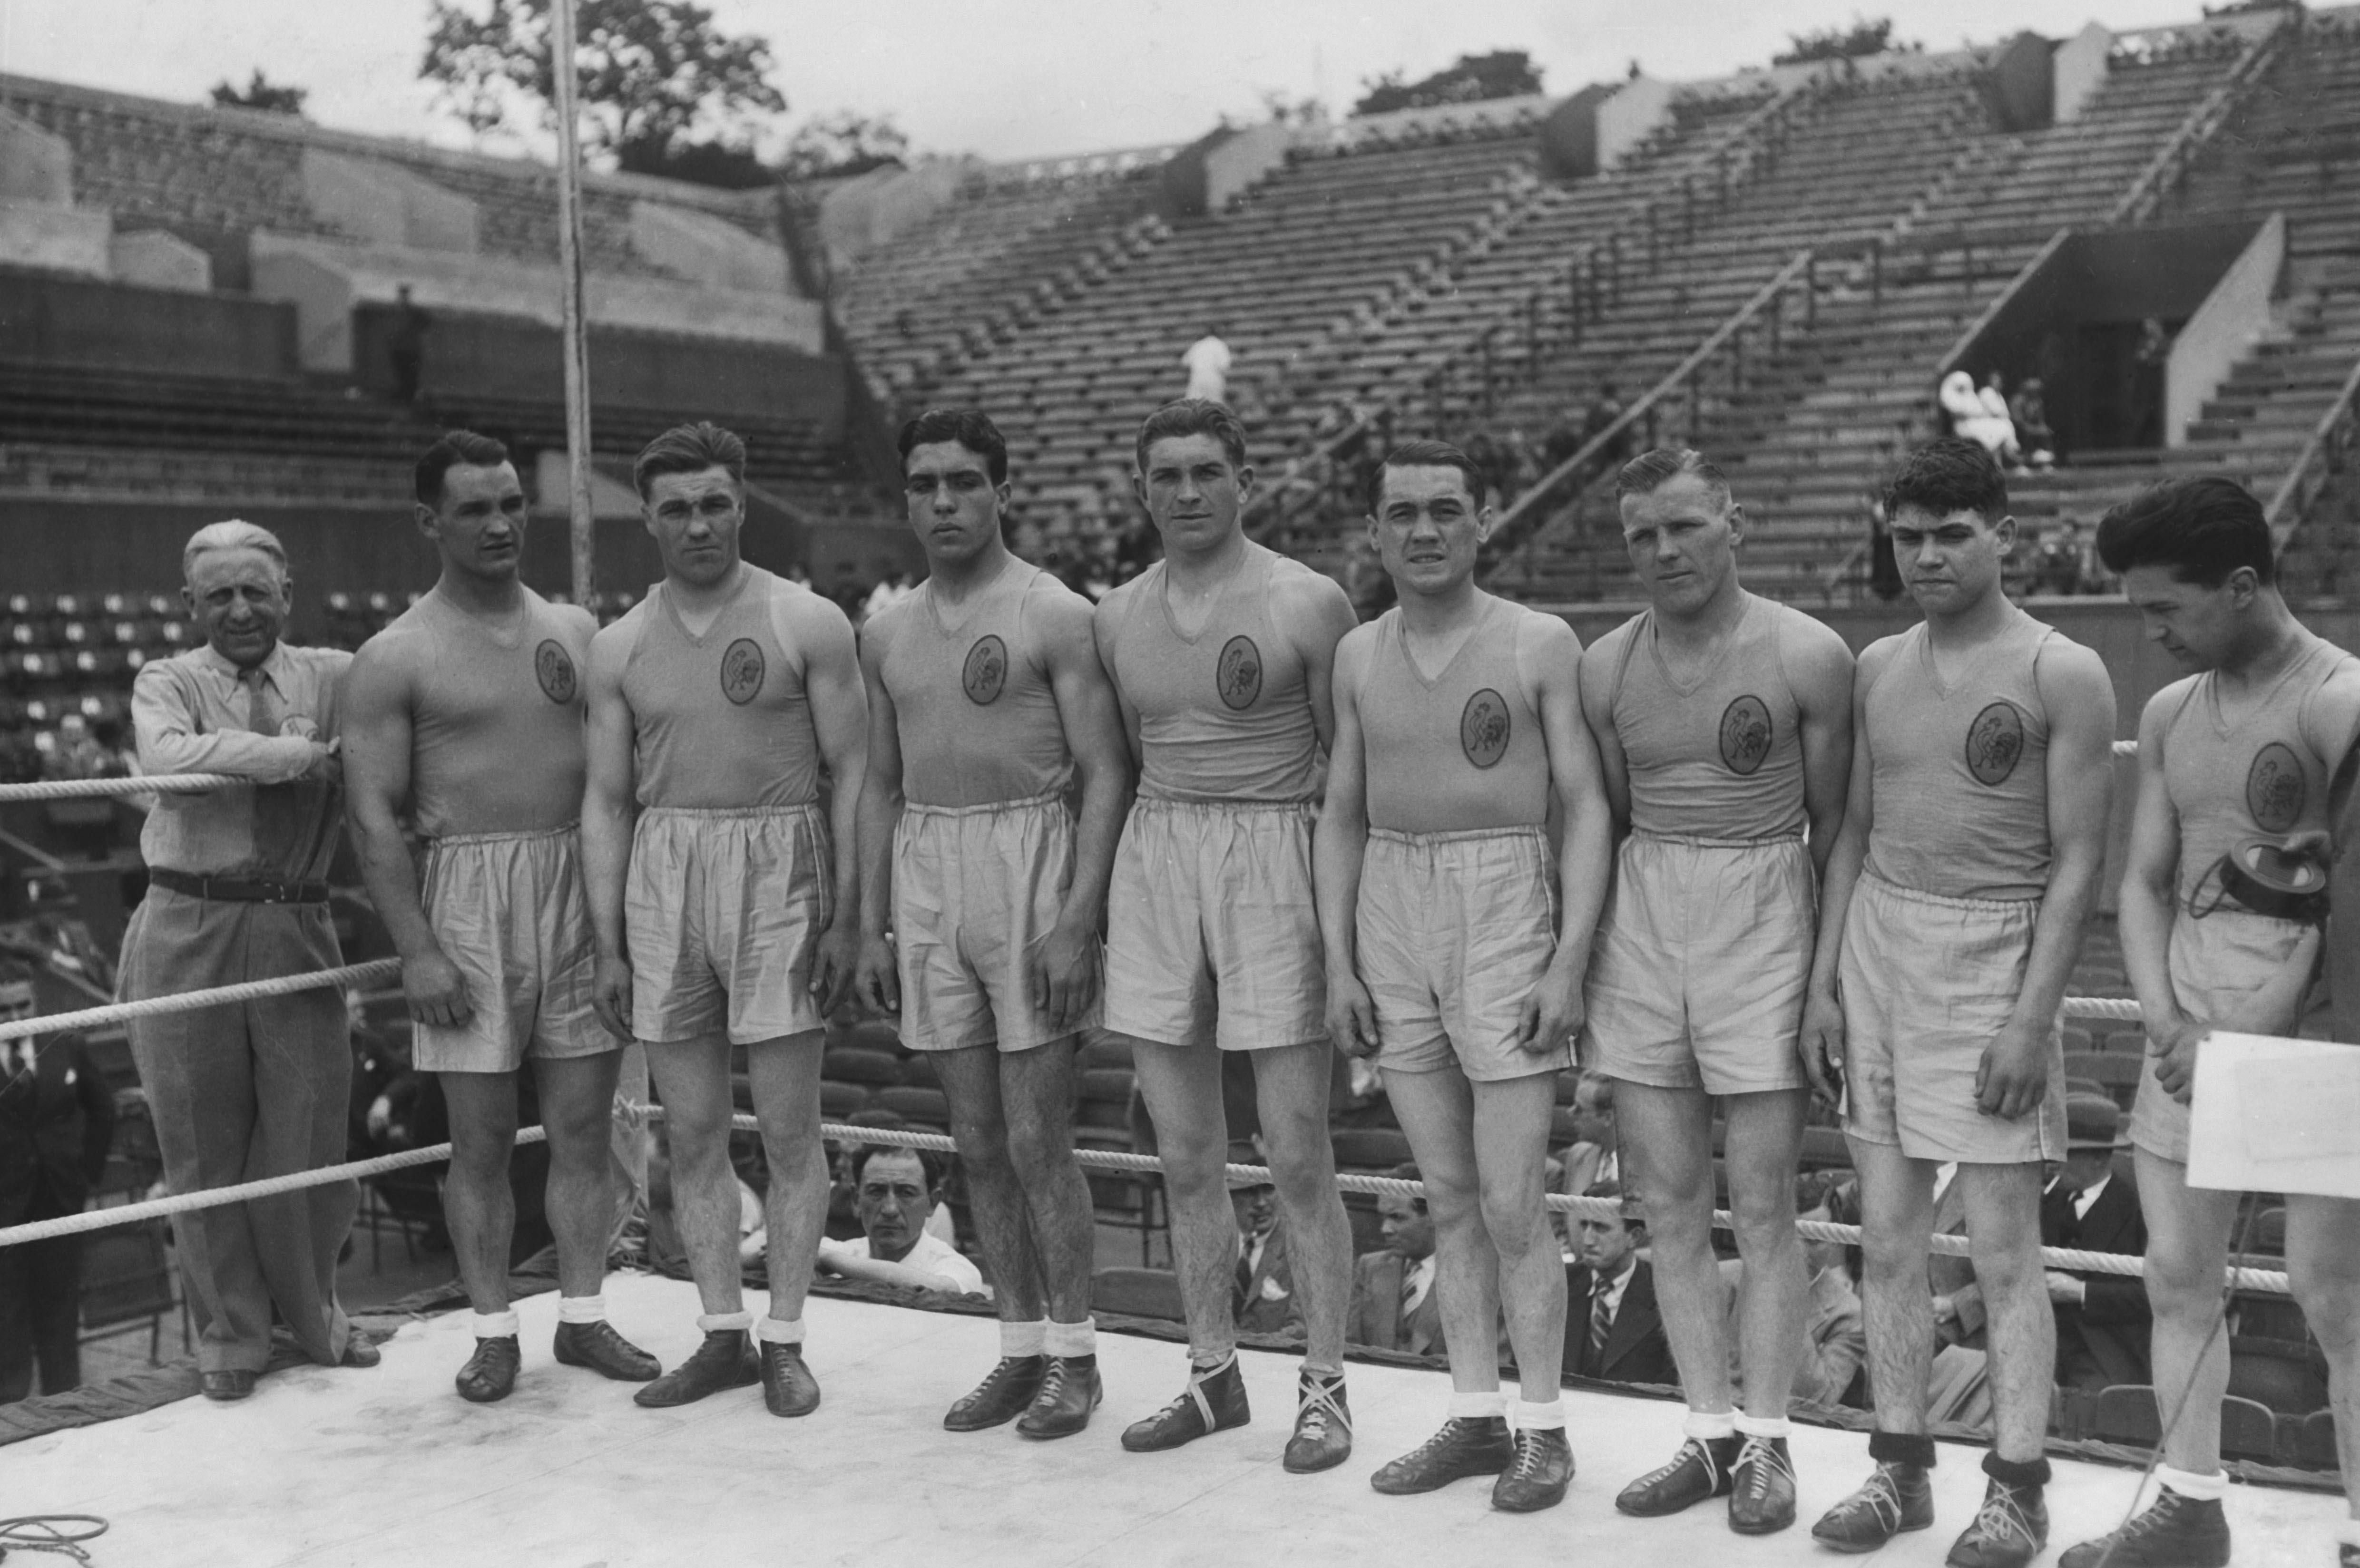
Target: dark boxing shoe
(725, 1360)
(787, 1387)
(1467, 1445)
(227, 1386)
(1069, 1391)
(597, 1346)
(2174, 1532)
(2009, 1530)
(491, 1372)
(1539, 1478)
(1000, 1397)
(1762, 1488)
(1895, 1498)
(1214, 1401)
(1703, 1468)
(359, 1352)
(1323, 1426)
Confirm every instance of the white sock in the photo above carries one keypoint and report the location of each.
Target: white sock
(1763, 1426)
(1710, 1426)
(581, 1308)
(1022, 1339)
(496, 1326)
(1071, 1338)
(1549, 1416)
(738, 1321)
(780, 1330)
(2194, 1487)
(1478, 1405)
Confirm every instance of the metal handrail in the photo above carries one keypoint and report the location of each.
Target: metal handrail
(1533, 506)
(1264, 513)
(2195, 132)
(2000, 302)
(2322, 455)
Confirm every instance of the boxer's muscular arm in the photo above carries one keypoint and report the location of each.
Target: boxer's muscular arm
(1336, 849)
(2335, 717)
(607, 789)
(1317, 614)
(1548, 657)
(839, 712)
(2080, 697)
(1104, 621)
(878, 980)
(1819, 669)
(1595, 688)
(380, 698)
(1066, 972)
(1823, 1025)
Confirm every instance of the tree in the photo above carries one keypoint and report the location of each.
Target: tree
(1862, 37)
(1502, 73)
(841, 144)
(656, 77)
(1286, 111)
(270, 97)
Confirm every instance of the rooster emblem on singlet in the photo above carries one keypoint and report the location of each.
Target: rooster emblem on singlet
(742, 668)
(2275, 790)
(1238, 677)
(985, 672)
(1485, 728)
(553, 667)
(1744, 734)
(1994, 744)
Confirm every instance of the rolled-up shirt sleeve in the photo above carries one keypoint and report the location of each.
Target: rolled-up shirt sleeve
(164, 719)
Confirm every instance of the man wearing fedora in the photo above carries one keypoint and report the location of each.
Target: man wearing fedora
(2093, 1204)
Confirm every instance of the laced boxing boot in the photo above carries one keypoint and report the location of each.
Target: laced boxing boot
(597, 1346)
(1069, 1391)
(787, 1387)
(2173, 1532)
(1897, 1497)
(1703, 1468)
(1215, 1400)
(1543, 1469)
(1323, 1425)
(725, 1360)
(2009, 1530)
(491, 1373)
(1761, 1488)
(1001, 1396)
(1467, 1445)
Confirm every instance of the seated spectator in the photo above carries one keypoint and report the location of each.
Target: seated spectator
(896, 1189)
(2092, 1203)
(1590, 1159)
(1834, 1333)
(2028, 412)
(1974, 416)
(57, 1119)
(1394, 1306)
(1264, 1296)
(2060, 564)
(1613, 1330)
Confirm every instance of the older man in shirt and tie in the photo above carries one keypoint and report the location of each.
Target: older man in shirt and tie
(237, 892)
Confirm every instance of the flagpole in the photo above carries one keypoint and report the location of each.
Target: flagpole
(574, 323)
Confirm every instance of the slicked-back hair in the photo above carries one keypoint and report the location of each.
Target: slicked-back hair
(1614, 1189)
(2202, 527)
(1651, 471)
(1192, 417)
(236, 533)
(1951, 474)
(926, 1164)
(1407, 1172)
(453, 449)
(690, 449)
(970, 428)
(1432, 454)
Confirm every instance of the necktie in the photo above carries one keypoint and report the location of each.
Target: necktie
(261, 714)
(1601, 1317)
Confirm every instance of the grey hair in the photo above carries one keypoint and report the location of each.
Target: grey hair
(235, 534)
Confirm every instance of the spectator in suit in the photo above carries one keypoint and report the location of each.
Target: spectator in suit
(1394, 1303)
(56, 1121)
(1613, 1330)
(1590, 1159)
(1263, 1300)
(2102, 1320)
(1834, 1333)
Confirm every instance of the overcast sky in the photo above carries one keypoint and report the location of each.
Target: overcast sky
(1003, 80)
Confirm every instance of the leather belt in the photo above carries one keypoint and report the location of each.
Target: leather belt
(239, 889)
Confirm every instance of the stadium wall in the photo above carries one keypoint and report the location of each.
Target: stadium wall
(116, 326)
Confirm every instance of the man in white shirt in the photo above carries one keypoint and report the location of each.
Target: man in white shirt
(895, 1190)
(1207, 360)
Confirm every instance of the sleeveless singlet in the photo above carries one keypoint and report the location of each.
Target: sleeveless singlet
(1959, 773)
(1223, 715)
(1723, 756)
(722, 721)
(497, 742)
(2254, 777)
(976, 716)
(1462, 750)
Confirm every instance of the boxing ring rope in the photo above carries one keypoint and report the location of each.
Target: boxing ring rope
(386, 970)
